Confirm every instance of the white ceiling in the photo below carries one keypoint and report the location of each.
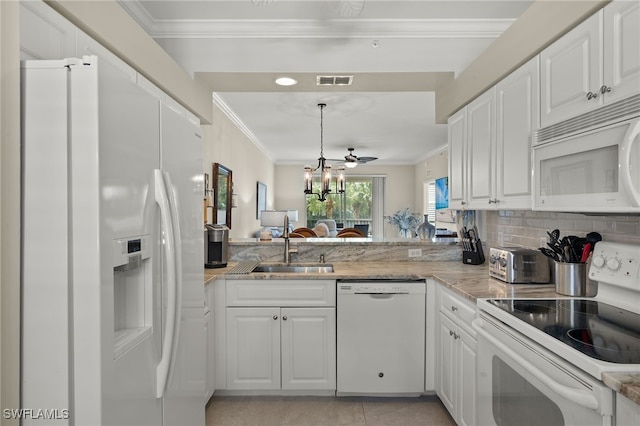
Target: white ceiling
(399, 52)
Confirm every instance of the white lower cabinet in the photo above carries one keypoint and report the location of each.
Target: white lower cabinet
(209, 327)
(456, 357)
(627, 411)
(253, 348)
(281, 348)
(290, 346)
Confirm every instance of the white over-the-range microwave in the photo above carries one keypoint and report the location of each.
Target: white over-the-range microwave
(590, 163)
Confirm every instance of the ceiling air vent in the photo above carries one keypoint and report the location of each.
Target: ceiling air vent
(334, 80)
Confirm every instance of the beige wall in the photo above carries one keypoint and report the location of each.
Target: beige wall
(108, 23)
(9, 209)
(224, 143)
(427, 171)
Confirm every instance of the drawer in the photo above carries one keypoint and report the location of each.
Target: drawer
(281, 293)
(457, 307)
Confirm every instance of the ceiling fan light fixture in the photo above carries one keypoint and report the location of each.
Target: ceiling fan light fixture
(350, 164)
(286, 81)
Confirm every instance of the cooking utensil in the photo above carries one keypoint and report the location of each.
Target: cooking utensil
(549, 253)
(554, 236)
(576, 245)
(558, 250)
(590, 241)
(586, 251)
(593, 238)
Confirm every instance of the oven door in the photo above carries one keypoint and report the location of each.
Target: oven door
(520, 382)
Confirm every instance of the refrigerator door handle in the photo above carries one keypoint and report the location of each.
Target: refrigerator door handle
(177, 236)
(162, 198)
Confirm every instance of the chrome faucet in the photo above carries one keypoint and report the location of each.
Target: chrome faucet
(285, 235)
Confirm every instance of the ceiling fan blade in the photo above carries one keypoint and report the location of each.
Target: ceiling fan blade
(366, 159)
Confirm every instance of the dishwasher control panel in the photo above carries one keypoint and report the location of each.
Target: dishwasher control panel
(382, 287)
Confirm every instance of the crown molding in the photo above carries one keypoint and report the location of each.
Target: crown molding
(226, 110)
(314, 28)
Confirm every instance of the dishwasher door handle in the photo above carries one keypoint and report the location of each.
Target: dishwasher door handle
(378, 295)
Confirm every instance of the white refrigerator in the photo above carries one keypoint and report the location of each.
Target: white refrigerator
(112, 249)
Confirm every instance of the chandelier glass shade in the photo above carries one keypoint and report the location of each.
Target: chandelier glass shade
(325, 170)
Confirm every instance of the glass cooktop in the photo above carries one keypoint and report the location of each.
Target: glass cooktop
(597, 329)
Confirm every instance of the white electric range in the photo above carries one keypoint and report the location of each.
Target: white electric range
(540, 361)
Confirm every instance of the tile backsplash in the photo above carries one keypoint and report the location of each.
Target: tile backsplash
(524, 228)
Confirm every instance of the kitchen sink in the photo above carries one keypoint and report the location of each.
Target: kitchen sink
(297, 268)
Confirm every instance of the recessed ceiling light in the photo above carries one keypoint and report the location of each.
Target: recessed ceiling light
(286, 81)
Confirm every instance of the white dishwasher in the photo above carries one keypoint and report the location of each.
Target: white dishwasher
(381, 337)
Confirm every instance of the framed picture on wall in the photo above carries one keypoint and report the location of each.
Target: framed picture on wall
(261, 199)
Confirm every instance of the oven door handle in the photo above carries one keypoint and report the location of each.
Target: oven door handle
(580, 397)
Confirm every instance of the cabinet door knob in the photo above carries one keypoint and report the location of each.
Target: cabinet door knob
(454, 308)
(591, 95)
(450, 332)
(605, 89)
(275, 317)
(284, 318)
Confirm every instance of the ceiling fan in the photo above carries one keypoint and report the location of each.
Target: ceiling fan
(351, 160)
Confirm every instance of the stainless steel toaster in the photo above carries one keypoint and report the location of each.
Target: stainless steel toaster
(517, 265)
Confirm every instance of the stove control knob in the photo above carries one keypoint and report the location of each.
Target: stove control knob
(598, 261)
(613, 264)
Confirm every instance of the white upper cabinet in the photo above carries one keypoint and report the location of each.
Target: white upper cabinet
(622, 49)
(490, 144)
(595, 63)
(517, 116)
(457, 138)
(571, 72)
(481, 136)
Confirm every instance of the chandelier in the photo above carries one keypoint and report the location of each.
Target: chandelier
(325, 170)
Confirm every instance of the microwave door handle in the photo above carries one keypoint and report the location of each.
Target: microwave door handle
(630, 138)
(580, 397)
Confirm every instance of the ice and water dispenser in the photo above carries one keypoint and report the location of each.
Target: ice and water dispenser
(132, 293)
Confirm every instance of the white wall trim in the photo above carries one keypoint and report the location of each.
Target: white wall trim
(314, 28)
(222, 105)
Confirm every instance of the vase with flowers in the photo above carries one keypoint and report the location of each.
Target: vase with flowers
(405, 222)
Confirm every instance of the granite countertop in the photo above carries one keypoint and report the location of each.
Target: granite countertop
(627, 384)
(470, 281)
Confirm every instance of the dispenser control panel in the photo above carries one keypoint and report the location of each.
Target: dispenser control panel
(128, 253)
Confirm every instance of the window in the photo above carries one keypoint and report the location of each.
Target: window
(361, 203)
(430, 208)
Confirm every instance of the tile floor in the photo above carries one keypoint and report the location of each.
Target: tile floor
(326, 411)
